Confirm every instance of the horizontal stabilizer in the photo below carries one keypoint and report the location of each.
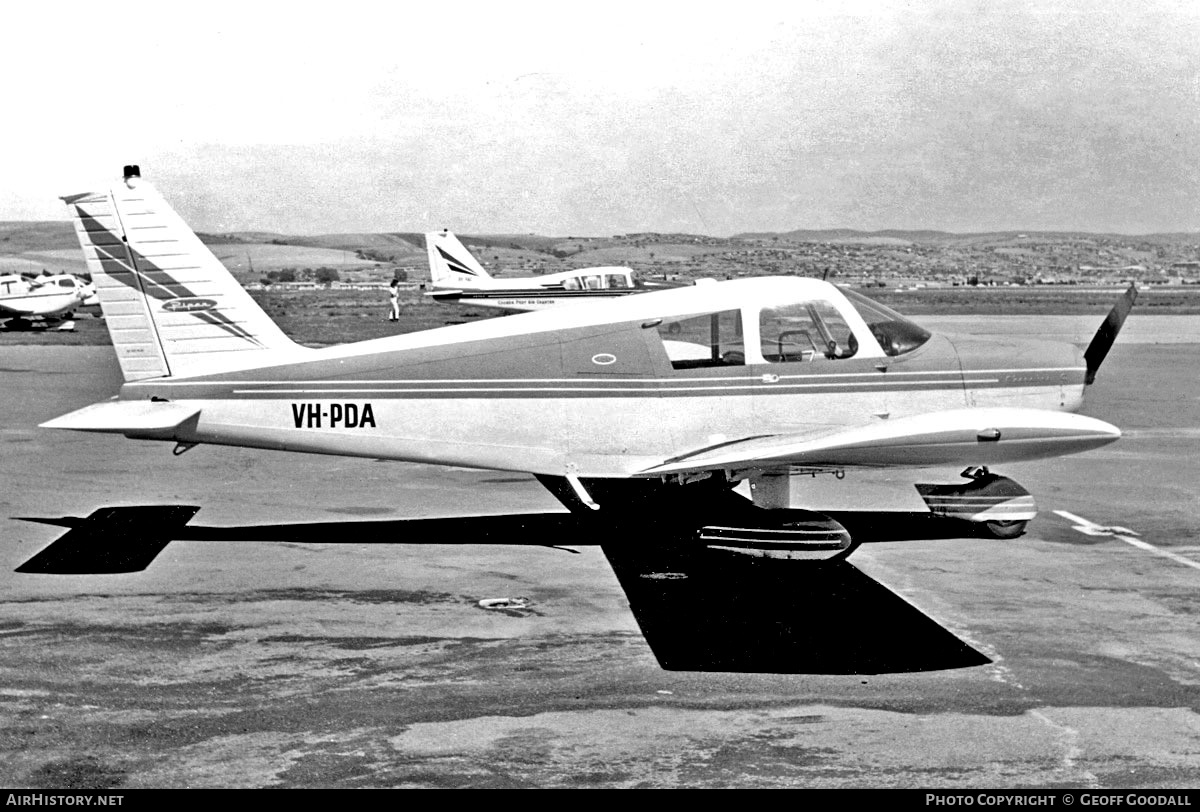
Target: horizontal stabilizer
(959, 436)
(127, 417)
(112, 540)
(445, 296)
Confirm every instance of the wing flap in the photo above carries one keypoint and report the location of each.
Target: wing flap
(957, 436)
(138, 417)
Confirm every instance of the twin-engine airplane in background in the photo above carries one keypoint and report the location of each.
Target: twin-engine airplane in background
(25, 301)
(458, 278)
(641, 415)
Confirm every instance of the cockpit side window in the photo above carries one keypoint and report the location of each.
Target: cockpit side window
(616, 280)
(804, 331)
(66, 283)
(711, 340)
(895, 334)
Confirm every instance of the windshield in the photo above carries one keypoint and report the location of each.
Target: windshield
(804, 331)
(895, 334)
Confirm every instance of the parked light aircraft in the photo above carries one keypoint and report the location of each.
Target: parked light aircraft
(640, 415)
(24, 300)
(458, 278)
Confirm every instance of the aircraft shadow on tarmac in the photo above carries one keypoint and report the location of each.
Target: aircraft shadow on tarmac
(699, 610)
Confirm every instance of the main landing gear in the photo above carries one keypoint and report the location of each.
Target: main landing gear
(996, 502)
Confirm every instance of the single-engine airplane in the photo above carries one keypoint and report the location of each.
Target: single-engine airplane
(458, 278)
(41, 299)
(641, 415)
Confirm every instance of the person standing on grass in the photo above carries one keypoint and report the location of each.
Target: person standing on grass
(395, 293)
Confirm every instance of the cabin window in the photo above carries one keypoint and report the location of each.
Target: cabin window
(571, 284)
(711, 340)
(804, 331)
(896, 334)
(593, 282)
(66, 283)
(616, 280)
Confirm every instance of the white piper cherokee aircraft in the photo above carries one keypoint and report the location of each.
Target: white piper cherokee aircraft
(25, 300)
(640, 415)
(458, 278)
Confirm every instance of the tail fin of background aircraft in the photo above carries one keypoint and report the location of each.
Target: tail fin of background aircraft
(171, 307)
(451, 264)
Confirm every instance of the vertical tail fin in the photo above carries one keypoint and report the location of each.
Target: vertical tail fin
(451, 264)
(171, 307)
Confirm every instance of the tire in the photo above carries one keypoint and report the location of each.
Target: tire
(1006, 530)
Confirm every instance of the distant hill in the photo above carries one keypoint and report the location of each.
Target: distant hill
(19, 236)
(927, 235)
(892, 257)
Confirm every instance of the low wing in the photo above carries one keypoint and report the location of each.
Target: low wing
(954, 437)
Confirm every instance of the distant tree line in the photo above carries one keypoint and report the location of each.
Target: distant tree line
(323, 275)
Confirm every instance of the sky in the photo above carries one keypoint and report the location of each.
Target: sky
(616, 117)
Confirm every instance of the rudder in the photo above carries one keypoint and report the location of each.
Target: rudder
(171, 307)
(451, 264)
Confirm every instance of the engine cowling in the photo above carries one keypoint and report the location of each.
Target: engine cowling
(793, 535)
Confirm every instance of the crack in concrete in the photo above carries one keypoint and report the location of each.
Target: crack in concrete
(1071, 749)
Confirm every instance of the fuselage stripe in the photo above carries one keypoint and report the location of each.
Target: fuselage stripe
(954, 375)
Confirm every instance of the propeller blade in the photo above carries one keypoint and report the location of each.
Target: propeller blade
(1107, 334)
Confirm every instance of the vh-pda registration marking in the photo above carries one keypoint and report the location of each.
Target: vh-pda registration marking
(333, 415)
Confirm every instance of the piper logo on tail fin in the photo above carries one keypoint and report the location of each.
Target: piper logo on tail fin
(188, 305)
(454, 264)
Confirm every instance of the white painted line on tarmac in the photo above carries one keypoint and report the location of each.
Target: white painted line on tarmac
(1124, 534)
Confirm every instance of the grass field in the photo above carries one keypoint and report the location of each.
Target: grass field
(1066, 300)
(311, 317)
(322, 317)
(28, 264)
